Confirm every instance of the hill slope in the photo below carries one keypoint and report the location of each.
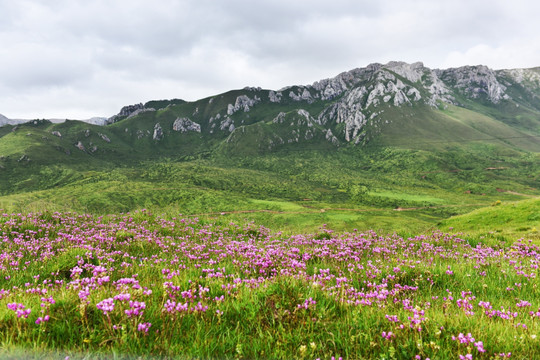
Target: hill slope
(374, 139)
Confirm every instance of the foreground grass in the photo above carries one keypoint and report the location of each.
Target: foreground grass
(142, 285)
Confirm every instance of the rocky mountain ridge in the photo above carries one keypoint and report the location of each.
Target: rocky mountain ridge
(355, 101)
(94, 120)
(352, 108)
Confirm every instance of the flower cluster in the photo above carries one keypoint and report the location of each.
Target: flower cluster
(19, 309)
(307, 304)
(201, 271)
(106, 305)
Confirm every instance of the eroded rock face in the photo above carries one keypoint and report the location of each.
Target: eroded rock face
(128, 111)
(227, 124)
(243, 102)
(331, 138)
(474, 81)
(275, 97)
(184, 125)
(522, 75)
(303, 95)
(362, 92)
(158, 132)
(140, 111)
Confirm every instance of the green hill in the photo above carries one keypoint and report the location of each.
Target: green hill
(500, 220)
(350, 151)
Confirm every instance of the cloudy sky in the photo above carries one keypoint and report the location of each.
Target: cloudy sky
(78, 59)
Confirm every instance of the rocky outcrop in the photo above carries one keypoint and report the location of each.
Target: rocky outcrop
(303, 95)
(140, 134)
(130, 109)
(474, 81)
(158, 132)
(275, 97)
(127, 112)
(227, 124)
(56, 133)
(522, 75)
(104, 137)
(79, 145)
(243, 102)
(184, 125)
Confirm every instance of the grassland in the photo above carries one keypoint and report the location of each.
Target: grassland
(275, 237)
(383, 188)
(143, 285)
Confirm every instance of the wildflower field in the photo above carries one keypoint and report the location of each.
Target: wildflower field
(141, 285)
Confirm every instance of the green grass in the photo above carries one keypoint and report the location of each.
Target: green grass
(354, 280)
(508, 220)
(407, 197)
(350, 188)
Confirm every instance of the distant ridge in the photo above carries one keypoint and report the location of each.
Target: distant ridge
(5, 121)
(393, 104)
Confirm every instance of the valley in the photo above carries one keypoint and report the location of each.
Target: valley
(398, 200)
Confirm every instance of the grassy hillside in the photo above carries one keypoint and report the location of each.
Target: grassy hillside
(387, 189)
(503, 220)
(362, 151)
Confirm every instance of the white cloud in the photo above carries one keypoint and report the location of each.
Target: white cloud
(512, 54)
(74, 58)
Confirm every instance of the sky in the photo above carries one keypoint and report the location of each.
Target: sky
(80, 59)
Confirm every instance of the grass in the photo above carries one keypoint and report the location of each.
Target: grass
(510, 220)
(408, 197)
(344, 189)
(198, 289)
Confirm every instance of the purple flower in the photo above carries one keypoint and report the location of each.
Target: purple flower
(144, 327)
(19, 309)
(307, 304)
(106, 305)
(135, 308)
(122, 297)
(479, 346)
(523, 303)
(42, 319)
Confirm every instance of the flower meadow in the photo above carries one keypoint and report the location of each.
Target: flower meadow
(143, 285)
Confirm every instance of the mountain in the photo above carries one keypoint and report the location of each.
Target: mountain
(5, 121)
(356, 107)
(95, 120)
(385, 136)
(394, 103)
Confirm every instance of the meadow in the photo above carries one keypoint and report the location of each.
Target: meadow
(139, 284)
(379, 252)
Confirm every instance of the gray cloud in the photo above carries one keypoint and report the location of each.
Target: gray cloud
(87, 58)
